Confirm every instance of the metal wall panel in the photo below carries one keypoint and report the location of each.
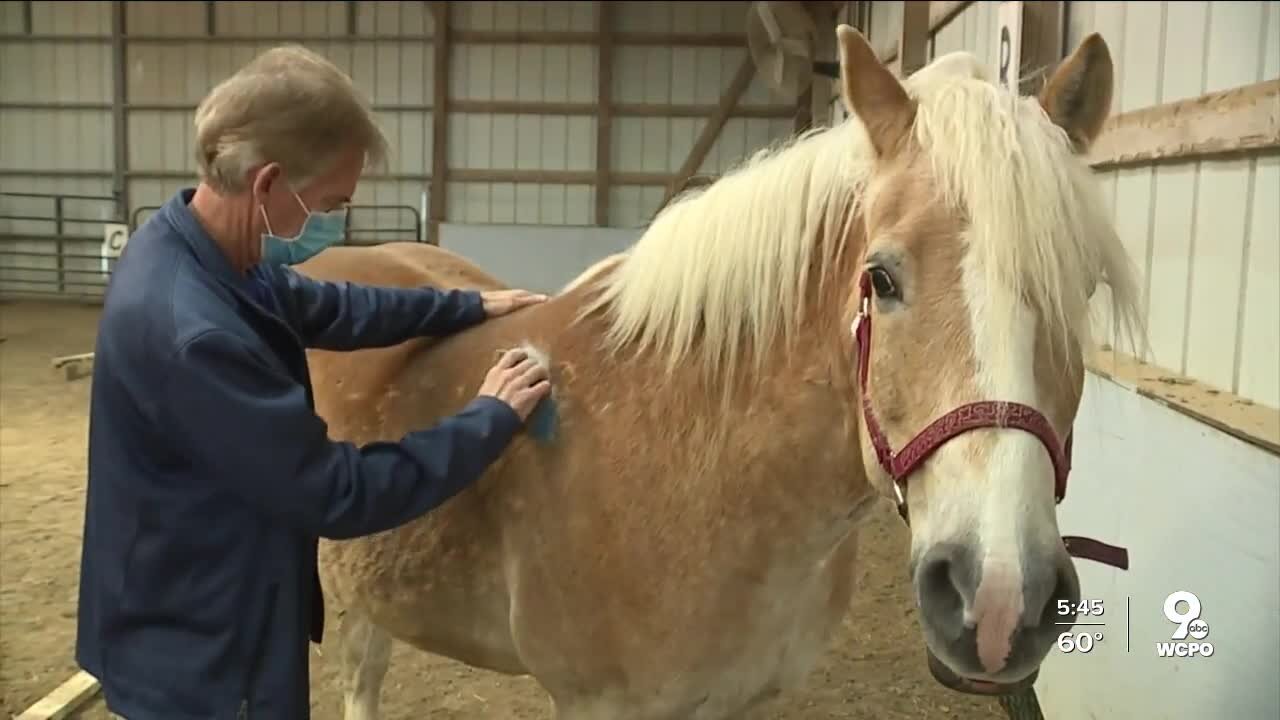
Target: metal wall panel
(175, 52)
(55, 139)
(391, 72)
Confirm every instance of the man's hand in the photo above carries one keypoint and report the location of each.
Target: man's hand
(517, 380)
(501, 302)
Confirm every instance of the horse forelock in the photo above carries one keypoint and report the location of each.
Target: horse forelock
(723, 273)
(1037, 227)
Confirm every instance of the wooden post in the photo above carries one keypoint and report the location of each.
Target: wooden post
(728, 101)
(119, 112)
(913, 46)
(1042, 44)
(825, 19)
(604, 110)
(439, 122)
(804, 111)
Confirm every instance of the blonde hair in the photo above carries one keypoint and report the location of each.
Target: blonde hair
(288, 105)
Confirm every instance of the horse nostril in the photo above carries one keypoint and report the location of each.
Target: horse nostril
(944, 585)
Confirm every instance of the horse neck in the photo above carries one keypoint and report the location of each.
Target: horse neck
(745, 442)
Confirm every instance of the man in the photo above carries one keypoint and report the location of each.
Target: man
(210, 475)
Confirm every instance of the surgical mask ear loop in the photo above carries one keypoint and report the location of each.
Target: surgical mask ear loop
(266, 219)
(262, 208)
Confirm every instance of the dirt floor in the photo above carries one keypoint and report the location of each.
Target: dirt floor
(875, 667)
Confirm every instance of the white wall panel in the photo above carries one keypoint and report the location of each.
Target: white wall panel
(1225, 198)
(1138, 466)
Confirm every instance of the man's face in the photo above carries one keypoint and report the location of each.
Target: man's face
(274, 192)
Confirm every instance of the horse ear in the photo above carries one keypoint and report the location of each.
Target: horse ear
(872, 93)
(1078, 96)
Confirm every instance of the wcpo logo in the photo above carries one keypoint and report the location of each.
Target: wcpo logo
(1189, 623)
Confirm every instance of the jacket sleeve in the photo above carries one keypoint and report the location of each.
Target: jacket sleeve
(249, 428)
(345, 316)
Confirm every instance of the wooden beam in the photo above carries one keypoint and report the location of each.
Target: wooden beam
(477, 37)
(1239, 120)
(509, 107)
(825, 19)
(119, 118)
(64, 699)
(74, 367)
(555, 177)
(543, 37)
(604, 111)
(715, 123)
(1041, 43)
(804, 111)
(1239, 417)
(940, 13)
(439, 121)
(913, 41)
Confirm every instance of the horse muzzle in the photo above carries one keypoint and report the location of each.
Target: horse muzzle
(952, 681)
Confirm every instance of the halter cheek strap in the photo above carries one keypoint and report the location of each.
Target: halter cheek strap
(982, 414)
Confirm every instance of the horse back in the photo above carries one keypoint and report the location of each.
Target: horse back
(398, 264)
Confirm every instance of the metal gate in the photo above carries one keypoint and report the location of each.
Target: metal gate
(366, 224)
(50, 243)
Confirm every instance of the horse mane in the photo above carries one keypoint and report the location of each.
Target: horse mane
(1038, 227)
(729, 264)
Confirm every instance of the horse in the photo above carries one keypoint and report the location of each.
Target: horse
(727, 396)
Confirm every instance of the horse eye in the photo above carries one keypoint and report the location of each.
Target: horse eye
(883, 283)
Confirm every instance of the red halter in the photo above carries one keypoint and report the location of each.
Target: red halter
(987, 413)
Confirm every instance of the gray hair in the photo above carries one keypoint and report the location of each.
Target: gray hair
(288, 105)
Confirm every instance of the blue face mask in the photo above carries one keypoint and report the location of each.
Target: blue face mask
(319, 231)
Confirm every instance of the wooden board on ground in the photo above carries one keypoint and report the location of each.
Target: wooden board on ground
(75, 366)
(64, 699)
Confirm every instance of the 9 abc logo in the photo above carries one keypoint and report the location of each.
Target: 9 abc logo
(1189, 623)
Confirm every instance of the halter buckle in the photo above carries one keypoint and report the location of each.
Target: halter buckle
(862, 314)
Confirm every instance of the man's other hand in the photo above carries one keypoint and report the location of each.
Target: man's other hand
(501, 302)
(519, 381)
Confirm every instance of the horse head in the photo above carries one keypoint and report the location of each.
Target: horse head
(985, 240)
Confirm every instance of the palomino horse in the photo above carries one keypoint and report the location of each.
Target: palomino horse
(682, 544)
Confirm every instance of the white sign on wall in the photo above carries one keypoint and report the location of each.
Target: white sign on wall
(1009, 44)
(114, 238)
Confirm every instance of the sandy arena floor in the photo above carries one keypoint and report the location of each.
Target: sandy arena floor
(874, 669)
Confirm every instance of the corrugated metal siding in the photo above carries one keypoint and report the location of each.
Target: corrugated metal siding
(526, 73)
(73, 145)
(394, 70)
(172, 62)
(1205, 235)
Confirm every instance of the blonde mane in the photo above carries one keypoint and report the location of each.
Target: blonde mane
(729, 264)
(1038, 228)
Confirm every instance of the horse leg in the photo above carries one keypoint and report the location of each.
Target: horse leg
(366, 654)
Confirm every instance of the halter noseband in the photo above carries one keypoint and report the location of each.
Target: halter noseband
(986, 413)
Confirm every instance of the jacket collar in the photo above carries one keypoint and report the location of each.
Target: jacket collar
(206, 250)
